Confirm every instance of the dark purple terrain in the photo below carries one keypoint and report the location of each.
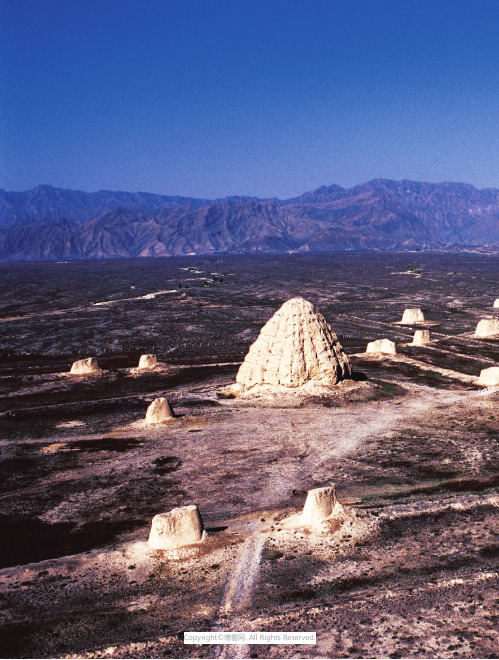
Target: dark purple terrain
(410, 443)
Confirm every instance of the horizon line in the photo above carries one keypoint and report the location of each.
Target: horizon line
(245, 196)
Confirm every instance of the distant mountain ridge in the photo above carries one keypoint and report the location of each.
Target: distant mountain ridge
(49, 223)
(48, 203)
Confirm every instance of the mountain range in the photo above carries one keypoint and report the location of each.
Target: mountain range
(46, 223)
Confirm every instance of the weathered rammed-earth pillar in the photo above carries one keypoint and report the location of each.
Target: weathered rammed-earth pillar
(487, 328)
(86, 367)
(382, 346)
(421, 337)
(321, 504)
(148, 361)
(177, 528)
(159, 411)
(411, 316)
(489, 377)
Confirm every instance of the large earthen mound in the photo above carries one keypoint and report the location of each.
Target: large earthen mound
(295, 347)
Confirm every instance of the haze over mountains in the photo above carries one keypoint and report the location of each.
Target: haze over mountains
(48, 223)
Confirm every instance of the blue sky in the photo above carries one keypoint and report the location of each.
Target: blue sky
(209, 98)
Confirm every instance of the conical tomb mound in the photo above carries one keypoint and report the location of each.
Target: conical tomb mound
(296, 346)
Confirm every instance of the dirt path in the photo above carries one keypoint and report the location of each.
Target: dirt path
(84, 308)
(237, 597)
(384, 417)
(449, 373)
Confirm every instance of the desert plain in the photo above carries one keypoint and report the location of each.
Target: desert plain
(409, 442)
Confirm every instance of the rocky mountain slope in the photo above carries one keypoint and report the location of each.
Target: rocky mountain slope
(49, 203)
(49, 224)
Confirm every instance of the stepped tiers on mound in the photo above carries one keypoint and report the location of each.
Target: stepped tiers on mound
(321, 504)
(85, 367)
(159, 411)
(411, 316)
(487, 328)
(421, 337)
(382, 346)
(294, 347)
(489, 377)
(177, 528)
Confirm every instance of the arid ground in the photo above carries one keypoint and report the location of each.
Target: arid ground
(411, 445)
